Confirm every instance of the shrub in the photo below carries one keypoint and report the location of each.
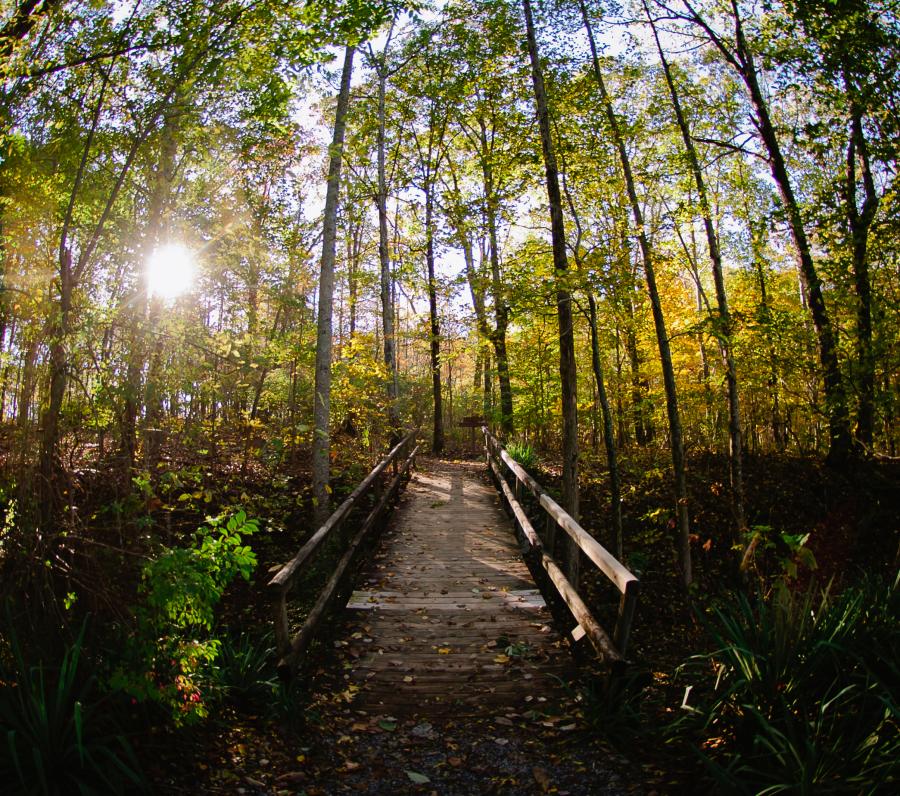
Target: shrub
(804, 697)
(56, 736)
(172, 649)
(523, 453)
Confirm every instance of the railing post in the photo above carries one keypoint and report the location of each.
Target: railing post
(282, 628)
(550, 536)
(627, 604)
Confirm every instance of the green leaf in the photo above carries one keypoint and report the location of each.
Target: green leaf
(417, 778)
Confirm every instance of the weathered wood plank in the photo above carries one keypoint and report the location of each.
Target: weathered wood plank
(445, 596)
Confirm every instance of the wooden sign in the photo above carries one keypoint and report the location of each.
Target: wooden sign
(472, 421)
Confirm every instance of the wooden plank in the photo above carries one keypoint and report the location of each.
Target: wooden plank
(434, 547)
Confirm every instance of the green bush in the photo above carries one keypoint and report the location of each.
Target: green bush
(804, 698)
(55, 736)
(523, 453)
(172, 651)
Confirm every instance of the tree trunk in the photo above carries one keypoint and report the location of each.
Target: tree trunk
(839, 448)
(860, 221)
(438, 437)
(48, 464)
(615, 486)
(662, 337)
(567, 365)
(387, 304)
(723, 323)
(321, 447)
(501, 309)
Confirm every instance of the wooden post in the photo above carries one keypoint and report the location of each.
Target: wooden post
(550, 535)
(627, 604)
(282, 629)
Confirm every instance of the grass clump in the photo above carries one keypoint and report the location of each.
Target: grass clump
(803, 696)
(56, 735)
(523, 453)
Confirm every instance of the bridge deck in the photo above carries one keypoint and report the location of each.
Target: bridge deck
(447, 619)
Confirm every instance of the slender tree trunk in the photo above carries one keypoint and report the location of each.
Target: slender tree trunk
(487, 399)
(662, 337)
(131, 403)
(501, 308)
(497, 336)
(756, 229)
(643, 424)
(49, 454)
(438, 436)
(321, 447)
(741, 59)
(724, 323)
(567, 365)
(354, 248)
(860, 221)
(160, 194)
(153, 402)
(612, 460)
(387, 304)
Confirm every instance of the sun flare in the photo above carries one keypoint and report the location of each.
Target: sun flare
(170, 271)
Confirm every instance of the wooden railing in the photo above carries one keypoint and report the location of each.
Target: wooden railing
(400, 459)
(610, 650)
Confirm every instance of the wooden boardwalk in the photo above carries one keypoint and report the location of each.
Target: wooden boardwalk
(446, 619)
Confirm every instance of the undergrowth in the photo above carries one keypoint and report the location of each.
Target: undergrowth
(59, 734)
(798, 693)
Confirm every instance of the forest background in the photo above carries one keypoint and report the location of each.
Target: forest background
(695, 333)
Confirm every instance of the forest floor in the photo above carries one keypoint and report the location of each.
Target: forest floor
(313, 742)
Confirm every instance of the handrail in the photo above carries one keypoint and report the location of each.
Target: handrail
(611, 651)
(280, 585)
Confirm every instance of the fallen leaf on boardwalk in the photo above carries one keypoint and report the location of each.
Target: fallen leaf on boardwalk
(504, 721)
(409, 679)
(417, 778)
(444, 650)
(501, 659)
(291, 777)
(542, 778)
(501, 741)
(350, 765)
(387, 726)
(360, 727)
